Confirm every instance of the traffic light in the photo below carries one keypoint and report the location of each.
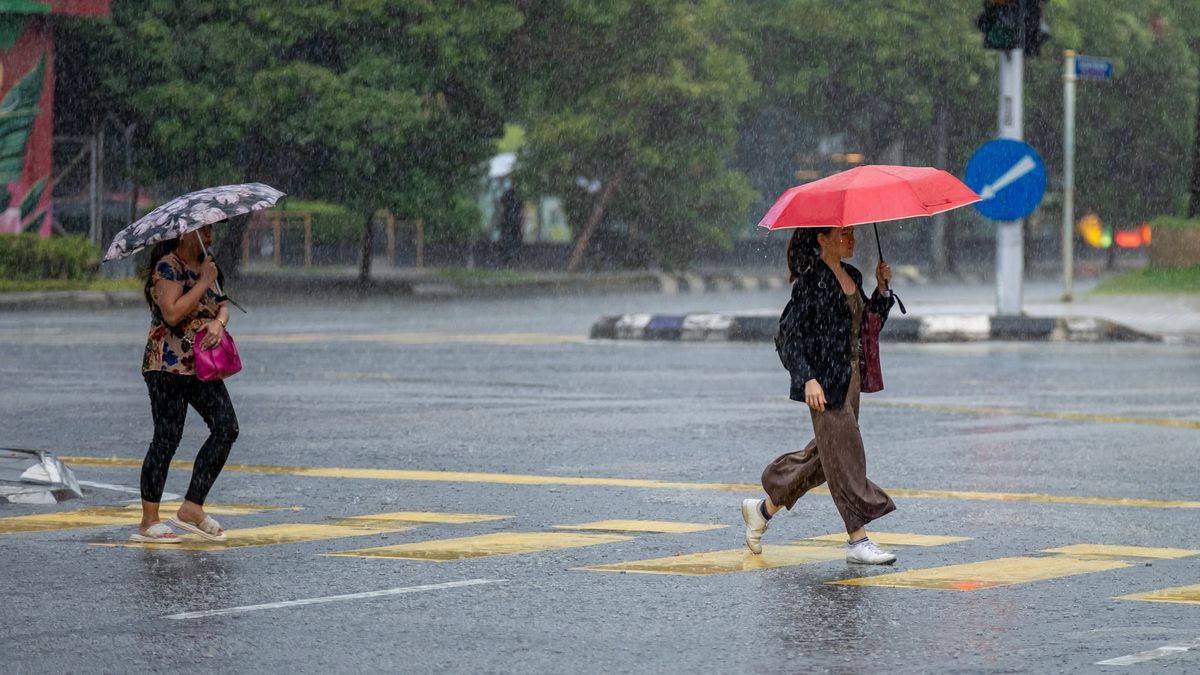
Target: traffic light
(1013, 24)
(1001, 24)
(1036, 31)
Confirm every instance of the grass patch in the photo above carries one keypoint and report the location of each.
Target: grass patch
(23, 285)
(1152, 280)
(461, 275)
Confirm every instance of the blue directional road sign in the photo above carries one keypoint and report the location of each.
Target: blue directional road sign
(1010, 177)
(1093, 68)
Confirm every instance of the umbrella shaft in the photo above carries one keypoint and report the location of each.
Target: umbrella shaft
(217, 284)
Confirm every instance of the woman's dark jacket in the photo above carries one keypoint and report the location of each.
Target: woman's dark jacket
(817, 331)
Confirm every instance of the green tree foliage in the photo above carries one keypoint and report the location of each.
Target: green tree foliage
(367, 103)
(1133, 134)
(873, 70)
(631, 110)
(656, 120)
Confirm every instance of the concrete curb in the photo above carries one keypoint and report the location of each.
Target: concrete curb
(761, 327)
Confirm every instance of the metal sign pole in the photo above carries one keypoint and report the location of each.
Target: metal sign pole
(1010, 259)
(1068, 218)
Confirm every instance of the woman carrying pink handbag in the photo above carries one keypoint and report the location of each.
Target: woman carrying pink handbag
(183, 364)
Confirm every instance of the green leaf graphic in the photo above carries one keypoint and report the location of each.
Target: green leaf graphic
(18, 110)
(5, 198)
(35, 195)
(35, 225)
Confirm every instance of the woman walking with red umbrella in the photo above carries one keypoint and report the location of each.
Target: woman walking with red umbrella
(822, 350)
(823, 329)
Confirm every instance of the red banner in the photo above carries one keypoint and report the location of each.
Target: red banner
(81, 7)
(27, 129)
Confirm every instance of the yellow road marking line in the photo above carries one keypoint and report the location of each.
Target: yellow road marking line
(268, 535)
(989, 573)
(724, 562)
(524, 479)
(893, 539)
(1189, 595)
(107, 516)
(1044, 414)
(1106, 551)
(422, 517)
(398, 338)
(661, 526)
(482, 546)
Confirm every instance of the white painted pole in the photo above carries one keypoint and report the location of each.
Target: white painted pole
(1010, 262)
(1068, 218)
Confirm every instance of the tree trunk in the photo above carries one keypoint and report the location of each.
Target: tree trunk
(228, 251)
(368, 247)
(937, 244)
(597, 215)
(1194, 201)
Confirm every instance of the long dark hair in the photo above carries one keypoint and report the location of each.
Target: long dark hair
(160, 250)
(803, 249)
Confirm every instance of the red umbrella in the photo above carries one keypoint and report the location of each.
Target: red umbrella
(869, 194)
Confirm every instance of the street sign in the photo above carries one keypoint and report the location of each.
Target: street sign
(1010, 177)
(1093, 68)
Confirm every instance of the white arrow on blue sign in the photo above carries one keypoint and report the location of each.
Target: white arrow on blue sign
(1010, 177)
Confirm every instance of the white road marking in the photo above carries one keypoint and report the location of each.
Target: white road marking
(1019, 169)
(331, 598)
(1165, 650)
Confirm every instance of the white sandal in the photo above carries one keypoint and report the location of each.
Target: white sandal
(157, 533)
(208, 528)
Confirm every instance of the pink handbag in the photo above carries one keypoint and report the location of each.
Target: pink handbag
(219, 362)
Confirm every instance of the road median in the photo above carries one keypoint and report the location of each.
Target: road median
(761, 326)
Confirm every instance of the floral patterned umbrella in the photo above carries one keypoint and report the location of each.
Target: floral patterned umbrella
(190, 212)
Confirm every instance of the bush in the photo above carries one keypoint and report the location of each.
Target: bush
(331, 223)
(1173, 222)
(28, 257)
(1175, 243)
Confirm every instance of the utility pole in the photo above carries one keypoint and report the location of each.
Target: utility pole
(1068, 216)
(1010, 245)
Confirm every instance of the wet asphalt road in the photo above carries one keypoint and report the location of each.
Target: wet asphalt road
(506, 389)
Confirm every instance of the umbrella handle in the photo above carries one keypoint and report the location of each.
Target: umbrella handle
(879, 247)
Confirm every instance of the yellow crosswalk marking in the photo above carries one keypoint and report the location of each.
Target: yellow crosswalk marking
(293, 533)
(1106, 551)
(1187, 595)
(268, 535)
(723, 562)
(482, 546)
(108, 516)
(660, 526)
(891, 539)
(989, 573)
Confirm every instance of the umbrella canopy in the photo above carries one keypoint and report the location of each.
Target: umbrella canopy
(190, 212)
(869, 194)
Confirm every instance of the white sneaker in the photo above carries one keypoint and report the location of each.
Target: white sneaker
(866, 553)
(755, 524)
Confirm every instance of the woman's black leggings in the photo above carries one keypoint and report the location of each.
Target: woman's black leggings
(170, 395)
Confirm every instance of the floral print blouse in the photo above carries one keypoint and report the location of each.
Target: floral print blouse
(171, 350)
